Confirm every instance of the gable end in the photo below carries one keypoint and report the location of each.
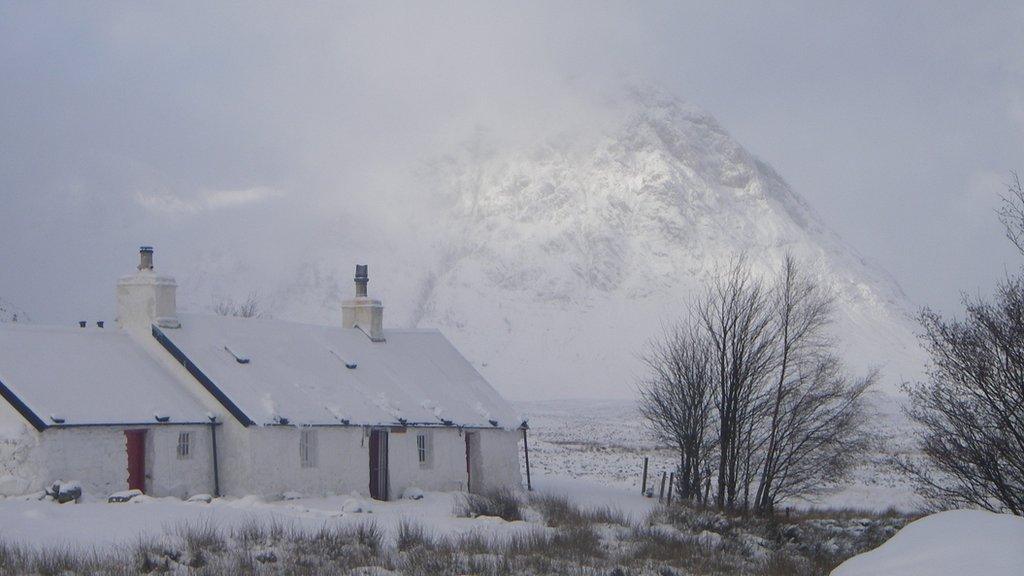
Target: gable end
(201, 377)
(22, 408)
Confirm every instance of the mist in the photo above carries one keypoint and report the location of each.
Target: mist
(249, 131)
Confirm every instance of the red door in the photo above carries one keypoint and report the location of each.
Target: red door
(136, 442)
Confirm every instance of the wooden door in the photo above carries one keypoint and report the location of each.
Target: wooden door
(136, 445)
(469, 464)
(379, 464)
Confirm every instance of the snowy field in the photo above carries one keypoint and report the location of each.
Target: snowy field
(95, 523)
(605, 441)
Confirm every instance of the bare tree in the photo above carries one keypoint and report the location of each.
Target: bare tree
(248, 309)
(971, 409)
(676, 400)
(749, 379)
(1011, 213)
(735, 316)
(802, 311)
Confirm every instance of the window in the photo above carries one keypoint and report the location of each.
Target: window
(184, 445)
(422, 451)
(307, 448)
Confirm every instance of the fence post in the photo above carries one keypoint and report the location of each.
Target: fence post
(661, 492)
(671, 481)
(643, 483)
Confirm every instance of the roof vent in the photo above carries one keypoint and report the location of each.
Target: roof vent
(350, 364)
(281, 420)
(493, 423)
(99, 323)
(57, 419)
(161, 418)
(238, 356)
(82, 323)
(447, 422)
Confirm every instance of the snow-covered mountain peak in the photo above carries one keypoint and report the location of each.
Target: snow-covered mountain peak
(550, 261)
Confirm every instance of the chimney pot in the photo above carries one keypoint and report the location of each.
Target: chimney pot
(362, 279)
(145, 258)
(82, 323)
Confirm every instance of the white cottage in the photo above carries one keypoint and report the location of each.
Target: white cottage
(178, 404)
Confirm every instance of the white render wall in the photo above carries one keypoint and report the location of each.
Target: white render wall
(341, 462)
(18, 469)
(170, 476)
(343, 466)
(500, 466)
(97, 457)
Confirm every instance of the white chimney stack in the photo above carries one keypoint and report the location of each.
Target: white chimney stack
(146, 298)
(363, 312)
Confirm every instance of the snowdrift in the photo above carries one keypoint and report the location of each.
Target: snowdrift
(954, 543)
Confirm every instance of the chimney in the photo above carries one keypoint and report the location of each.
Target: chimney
(146, 298)
(145, 258)
(363, 312)
(82, 323)
(99, 323)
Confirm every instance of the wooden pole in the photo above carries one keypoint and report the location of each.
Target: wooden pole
(526, 447)
(643, 483)
(671, 481)
(661, 492)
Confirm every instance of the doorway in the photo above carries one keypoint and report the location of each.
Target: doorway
(135, 441)
(379, 464)
(474, 477)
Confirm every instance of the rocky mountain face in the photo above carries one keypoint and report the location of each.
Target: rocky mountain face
(551, 263)
(10, 313)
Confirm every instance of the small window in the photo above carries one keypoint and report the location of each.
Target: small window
(422, 448)
(307, 448)
(184, 445)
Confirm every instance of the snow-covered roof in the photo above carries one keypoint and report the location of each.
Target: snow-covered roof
(273, 372)
(89, 376)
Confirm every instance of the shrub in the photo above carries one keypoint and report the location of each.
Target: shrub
(503, 503)
(559, 511)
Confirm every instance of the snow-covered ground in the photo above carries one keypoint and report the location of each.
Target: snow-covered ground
(605, 442)
(954, 543)
(96, 523)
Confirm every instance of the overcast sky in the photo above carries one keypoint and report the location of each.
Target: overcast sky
(119, 124)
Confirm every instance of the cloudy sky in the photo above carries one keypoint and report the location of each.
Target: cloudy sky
(123, 124)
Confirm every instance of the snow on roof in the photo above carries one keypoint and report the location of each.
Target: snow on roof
(302, 374)
(70, 375)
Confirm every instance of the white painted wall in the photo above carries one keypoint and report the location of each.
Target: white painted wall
(18, 440)
(343, 464)
(445, 469)
(342, 461)
(97, 457)
(500, 463)
(169, 475)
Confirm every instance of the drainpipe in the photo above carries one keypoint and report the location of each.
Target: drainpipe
(216, 471)
(526, 448)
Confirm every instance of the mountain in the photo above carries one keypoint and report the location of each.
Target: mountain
(10, 313)
(550, 262)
